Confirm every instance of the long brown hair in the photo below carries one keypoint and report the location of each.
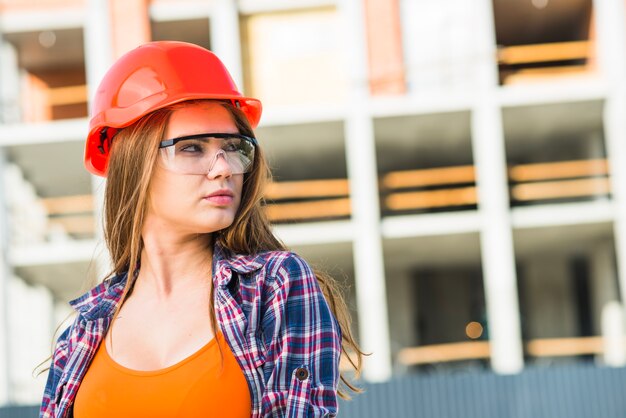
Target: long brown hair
(130, 169)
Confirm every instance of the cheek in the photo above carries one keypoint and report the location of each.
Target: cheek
(178, 200)
(238, 186)
(169, 197)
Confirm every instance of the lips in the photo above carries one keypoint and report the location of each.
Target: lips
(221, 192)
(222, 197)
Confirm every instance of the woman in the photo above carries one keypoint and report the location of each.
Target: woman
(205, 312)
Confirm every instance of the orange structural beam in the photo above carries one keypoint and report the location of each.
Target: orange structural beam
(559, 170)
(307, 189)
(67, 95)
(429, 177)
(76, 224)
(556, 347)
(439, 353)
(432, 198)
(308, 210)
(557, 51)
(561, 189)
(68, 204)
(470, 350)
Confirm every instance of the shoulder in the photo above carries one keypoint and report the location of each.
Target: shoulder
(287, 279)
(284, 268)
(101, 299)
(270, 276)
(62, 342)
(271, 269)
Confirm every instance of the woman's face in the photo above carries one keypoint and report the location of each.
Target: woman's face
(181, 201)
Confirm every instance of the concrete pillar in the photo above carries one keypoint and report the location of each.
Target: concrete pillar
(30, 340)
(225, 38)
(595, 150)
(6, 395)
(611, 50)
(498, 258)
(603, 281)
(613, 334)
(368, 257)
(130, 25)
(362, 174)
(98, 59)
(9, 71)
(606, 308)
(9, 98)
(384, 45)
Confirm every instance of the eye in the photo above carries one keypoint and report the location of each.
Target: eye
(232, 145)
(230, 148)
(190, 147)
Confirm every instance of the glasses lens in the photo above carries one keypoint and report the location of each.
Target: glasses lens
(201, 155)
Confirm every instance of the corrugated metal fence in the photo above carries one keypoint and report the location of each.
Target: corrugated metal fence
(581, 391)
(19, 412)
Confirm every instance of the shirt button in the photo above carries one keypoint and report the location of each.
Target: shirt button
(302, 373)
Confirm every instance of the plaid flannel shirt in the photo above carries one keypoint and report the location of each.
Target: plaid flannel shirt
(273, 315)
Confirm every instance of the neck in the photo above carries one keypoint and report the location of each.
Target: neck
(172, 264)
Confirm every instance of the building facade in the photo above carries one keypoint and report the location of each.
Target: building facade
(457, 164)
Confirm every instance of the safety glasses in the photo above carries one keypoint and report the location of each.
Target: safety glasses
(197, 154)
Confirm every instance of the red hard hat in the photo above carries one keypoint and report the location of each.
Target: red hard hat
(150, 77)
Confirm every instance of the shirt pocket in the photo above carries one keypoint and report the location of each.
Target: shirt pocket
(299, 394)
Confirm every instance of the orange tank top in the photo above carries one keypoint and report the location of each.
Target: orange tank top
(188, 389)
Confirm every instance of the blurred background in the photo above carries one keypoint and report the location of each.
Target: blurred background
(459, 165)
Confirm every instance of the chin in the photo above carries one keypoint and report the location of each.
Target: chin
(214, 225)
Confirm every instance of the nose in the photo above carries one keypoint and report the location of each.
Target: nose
(220, 166)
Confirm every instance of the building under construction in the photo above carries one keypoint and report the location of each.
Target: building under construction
(458, 164)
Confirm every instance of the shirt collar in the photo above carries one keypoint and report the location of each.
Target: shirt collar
(101, 300)
(241, 263)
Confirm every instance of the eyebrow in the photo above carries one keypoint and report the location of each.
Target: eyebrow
(172, 141)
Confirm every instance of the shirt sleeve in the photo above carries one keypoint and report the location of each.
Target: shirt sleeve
(57, 364)
(303, 349)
